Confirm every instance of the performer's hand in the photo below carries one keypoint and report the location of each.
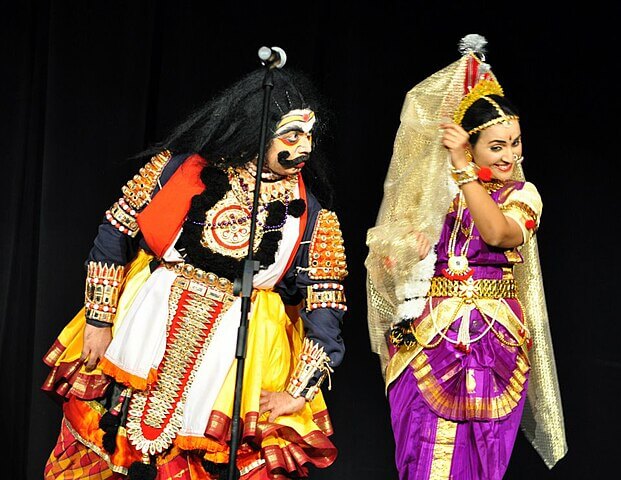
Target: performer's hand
(96, 341)
(455, 139)
(279, 403)
(422, 243)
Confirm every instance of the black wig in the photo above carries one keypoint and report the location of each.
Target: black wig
(226, 130)
(482, 111)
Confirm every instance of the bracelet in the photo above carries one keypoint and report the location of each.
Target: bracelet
(464, 175)
(311, 358)
(97, 323)
(101, 294)
(459, 171)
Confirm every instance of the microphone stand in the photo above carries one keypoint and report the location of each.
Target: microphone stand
(251, 266)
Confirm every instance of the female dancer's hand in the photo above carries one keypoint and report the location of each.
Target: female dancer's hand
(422, 244)
(455, 139)
(279, 403)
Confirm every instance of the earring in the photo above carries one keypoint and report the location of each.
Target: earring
(468, 155)
(517, 159)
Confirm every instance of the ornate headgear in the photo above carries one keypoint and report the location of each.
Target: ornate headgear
(479, 84)
(484, 87)
(418, 190)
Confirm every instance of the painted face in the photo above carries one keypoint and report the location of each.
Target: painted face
(292, 143)
(499, 147)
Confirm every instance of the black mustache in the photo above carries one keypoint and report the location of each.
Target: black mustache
(283, 156)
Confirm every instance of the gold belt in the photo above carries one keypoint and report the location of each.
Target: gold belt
(201, 282)
(469, 289)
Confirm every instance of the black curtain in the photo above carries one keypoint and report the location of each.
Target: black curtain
(88, 84)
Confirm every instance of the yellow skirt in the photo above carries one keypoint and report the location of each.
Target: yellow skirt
(68, 376)
(275, 335)
(274, 342)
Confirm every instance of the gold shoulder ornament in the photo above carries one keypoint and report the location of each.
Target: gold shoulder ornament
(137, 194)
(326, 255)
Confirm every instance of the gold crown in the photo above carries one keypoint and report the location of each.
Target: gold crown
(486, 86)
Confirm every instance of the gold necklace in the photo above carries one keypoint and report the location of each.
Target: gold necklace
(226, 229)
(458, 267)
(243, 183)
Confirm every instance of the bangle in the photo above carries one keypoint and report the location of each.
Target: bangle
(97, 323)
(464, 175)
(459, 171)
(311, 358)
(101, 295)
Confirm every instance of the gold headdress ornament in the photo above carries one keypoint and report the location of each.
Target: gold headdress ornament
(486, 84)
(418, 190)
(480, 90)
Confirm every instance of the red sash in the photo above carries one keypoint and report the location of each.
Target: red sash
(162, 218)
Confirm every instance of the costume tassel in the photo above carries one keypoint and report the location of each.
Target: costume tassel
(463, 335)
(110, 423)
(141, 471)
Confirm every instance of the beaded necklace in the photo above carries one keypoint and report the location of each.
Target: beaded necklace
(242, 183)
(226, 228)
(458, 267)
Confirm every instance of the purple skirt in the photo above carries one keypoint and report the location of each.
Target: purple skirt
(455, 415)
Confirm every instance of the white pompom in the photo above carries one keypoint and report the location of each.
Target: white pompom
(473, 42)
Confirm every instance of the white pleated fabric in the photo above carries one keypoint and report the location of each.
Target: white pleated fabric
(140, 337)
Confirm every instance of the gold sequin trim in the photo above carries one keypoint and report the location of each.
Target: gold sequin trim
(196, 326)
(208, 279)
(513, 256)
(443, 449)
(327, 253)
(251, 466)
(472, 289)
(138, 190)
(521, 207)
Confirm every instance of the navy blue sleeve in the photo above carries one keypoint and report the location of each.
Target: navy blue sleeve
(322, 325)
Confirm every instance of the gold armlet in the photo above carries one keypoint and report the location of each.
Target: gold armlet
(311, 358)
(325, 295)
(136, 194)
(327, 253)
(123, 217)
(101, 296)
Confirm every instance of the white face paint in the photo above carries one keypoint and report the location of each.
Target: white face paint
(292, 142)
(300, 120)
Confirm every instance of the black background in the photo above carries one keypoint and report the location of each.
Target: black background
(86, 84)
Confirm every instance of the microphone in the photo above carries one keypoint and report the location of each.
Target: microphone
(274, 57)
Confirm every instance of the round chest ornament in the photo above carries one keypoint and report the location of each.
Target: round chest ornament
(227, 228)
